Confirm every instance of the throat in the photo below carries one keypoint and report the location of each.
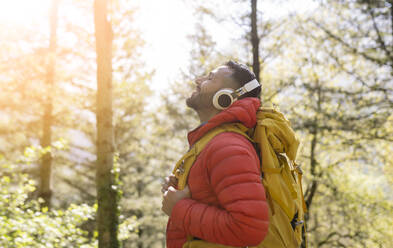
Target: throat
(205, 116)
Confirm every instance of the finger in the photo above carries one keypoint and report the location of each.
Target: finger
(173, 179)
(174, 185)
(173, 182)
(164, 186)
(171, 189)
(163, 190)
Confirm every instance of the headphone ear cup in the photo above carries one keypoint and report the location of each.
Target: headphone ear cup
(223, 99)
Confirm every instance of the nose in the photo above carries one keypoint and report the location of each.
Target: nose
(199, 80)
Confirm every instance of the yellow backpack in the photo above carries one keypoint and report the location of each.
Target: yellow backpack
(281, 177)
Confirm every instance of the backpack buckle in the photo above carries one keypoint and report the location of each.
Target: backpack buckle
(298, 168)
(180, 170)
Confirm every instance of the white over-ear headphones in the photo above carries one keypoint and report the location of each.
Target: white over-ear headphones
(225, 97)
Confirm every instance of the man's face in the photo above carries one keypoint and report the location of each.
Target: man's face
(207, 86)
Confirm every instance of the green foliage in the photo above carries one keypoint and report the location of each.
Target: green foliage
(24, 224)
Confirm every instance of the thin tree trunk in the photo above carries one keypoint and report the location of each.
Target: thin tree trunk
(391, 19)
(46, 161)
(107, 212)
(391, 27)
(312, 189)
(255, 40)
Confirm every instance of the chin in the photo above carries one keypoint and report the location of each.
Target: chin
(192, 102)
(189, 103)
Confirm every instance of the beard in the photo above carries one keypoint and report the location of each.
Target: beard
(199, 101)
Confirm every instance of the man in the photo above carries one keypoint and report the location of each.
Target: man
(224, 202)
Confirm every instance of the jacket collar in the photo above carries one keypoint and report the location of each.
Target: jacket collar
(243, 111)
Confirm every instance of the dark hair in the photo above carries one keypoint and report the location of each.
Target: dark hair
(242, 75)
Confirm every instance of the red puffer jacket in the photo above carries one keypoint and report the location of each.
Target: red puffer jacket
(228, 204)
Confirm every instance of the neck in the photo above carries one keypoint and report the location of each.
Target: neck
(204, 116)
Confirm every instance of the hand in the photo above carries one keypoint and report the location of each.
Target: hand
(172, 196)
(171, 180)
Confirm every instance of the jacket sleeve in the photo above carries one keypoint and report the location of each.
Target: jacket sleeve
(242, 218)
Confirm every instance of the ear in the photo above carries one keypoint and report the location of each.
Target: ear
(223, 98)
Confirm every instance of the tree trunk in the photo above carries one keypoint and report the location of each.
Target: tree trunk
(107, 199)
(312, 188)
(391, 27)
(255, 40)
(46, 161)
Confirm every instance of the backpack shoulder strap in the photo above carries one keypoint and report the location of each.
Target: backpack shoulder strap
(183, 166)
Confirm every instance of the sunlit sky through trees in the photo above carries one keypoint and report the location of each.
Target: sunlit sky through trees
(168, 48)
(164, 26)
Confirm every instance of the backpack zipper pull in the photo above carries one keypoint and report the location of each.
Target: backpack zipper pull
(180, 171)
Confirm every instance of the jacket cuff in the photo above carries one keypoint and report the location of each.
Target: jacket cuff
(179, 211)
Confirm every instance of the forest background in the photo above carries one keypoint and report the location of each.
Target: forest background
(93, 115)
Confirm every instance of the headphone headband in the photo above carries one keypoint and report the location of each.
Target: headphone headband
(253, 84)
(225, 97)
